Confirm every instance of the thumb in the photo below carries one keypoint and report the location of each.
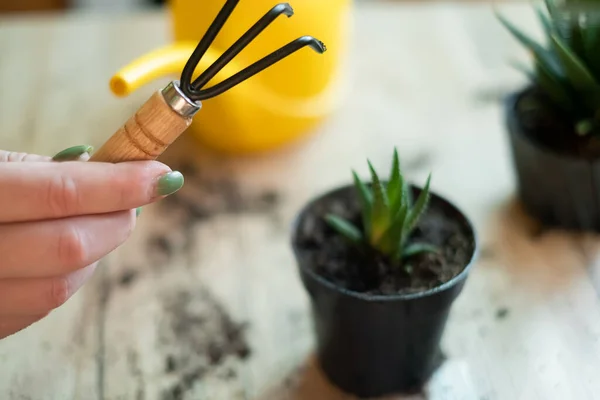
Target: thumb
(71, 154)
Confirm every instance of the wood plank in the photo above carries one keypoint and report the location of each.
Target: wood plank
(147, 325)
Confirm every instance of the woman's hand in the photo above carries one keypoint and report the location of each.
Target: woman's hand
(57, 219)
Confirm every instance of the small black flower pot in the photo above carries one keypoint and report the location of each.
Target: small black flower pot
(372, 341)
(557, 173)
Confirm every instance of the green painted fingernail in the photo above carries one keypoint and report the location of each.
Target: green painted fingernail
(169, 183)
(73, 153)
(138, 211)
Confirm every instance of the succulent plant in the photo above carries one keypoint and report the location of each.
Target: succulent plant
(567, 66)
(388, 215)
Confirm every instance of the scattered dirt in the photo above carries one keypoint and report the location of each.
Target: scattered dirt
(502, 313)
(229, 374)
(368, 272)
(170, 364)
(161, 244)
(487, 252)
(136, 373)
(204, 196)
(200, 337)
(128, 276)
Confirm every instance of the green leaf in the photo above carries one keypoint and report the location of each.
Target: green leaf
(591, 42)
(576, 71)
(380, 212)
(394, 187)
(538, 51)
(550, 7)
(544, 20)
(420, 206)
(366, 202)
(554, 87)
(418, 248)
(562, 21)
(391, 241)
(520, 36)
(344, 228)
(576, 41)
(519, 66)
(407, 194)
(591, 99)
(584, 127)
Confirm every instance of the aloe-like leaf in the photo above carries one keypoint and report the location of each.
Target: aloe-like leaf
(366, 202)
(407, 197)
(418, 248)
(380, 212)
(563, 26)
(418, 209)
(344, 228)
(390, 242)
(589, 101)
(539, 52)
(575, 70)
(553, 87)
(584, 127)
(561, 19)
(546, 24)
(576, 42)
(550, 7)
(525, 70)
(395, 184)
(563, 22)
(591, 42)
(518, 34)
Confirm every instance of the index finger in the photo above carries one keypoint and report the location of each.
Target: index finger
(14, 156)
(39, 190)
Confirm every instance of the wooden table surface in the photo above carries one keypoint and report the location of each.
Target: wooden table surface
(204, 301)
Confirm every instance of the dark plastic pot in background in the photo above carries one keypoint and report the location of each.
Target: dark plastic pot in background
(378, 345)
(558, 190)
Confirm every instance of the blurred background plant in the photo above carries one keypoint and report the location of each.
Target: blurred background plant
(567, 65)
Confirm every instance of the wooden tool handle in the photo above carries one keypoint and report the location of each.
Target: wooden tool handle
(145, 135)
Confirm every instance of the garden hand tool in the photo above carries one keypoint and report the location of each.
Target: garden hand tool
(168, 112)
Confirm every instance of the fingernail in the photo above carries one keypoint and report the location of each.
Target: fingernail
(73, 153)
(169, 183)
(138, 211)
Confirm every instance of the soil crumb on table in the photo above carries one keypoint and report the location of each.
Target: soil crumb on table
(487, 252)
(502, 313)
(200, 339)
(128, 276)
(205, 196)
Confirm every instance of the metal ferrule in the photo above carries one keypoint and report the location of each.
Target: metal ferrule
(179, 102)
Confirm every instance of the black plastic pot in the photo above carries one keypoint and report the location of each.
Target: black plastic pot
(373, 346)
(558, 190)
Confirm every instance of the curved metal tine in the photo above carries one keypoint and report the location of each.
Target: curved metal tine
(241, 43)
(205, 42)
(259, 66)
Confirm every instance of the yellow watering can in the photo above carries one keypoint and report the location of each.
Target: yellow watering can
(277, 105)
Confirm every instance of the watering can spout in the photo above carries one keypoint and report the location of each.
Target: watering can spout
(165, 61)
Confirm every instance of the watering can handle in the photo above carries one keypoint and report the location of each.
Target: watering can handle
(154, 126)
